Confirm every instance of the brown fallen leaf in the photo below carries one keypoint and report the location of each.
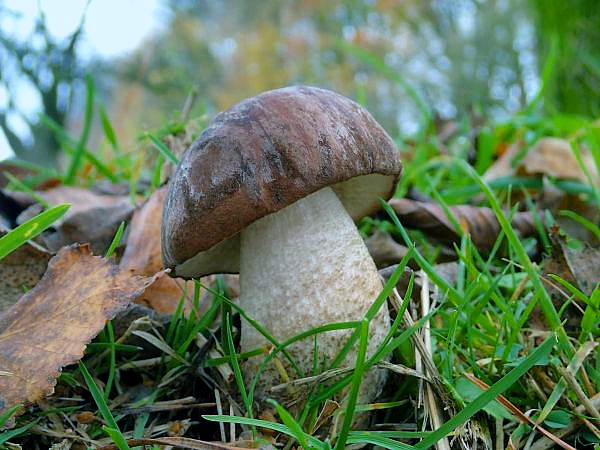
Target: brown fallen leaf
(384, 250)
(504, 166)
(554, 157)
(142, 256)
(577, 266)
(15, 170)
(49, 327)
(481, 223)
(549, 156)
(20, 271)
(92, 218)
(164, 294)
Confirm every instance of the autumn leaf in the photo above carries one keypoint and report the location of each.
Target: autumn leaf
(481, 223)
(49, 327)
(384, 250)
(578, 266)
(142, 253)
(21, 270)
(554, 157)
(143, 257)
(548, 157)
(93, 218)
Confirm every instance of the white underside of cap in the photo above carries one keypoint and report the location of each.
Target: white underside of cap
(359, 195)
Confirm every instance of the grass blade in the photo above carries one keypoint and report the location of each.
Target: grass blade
(112, 429)
(359, 371)
(289, 422)
(314, 442)
(546, 304)
(364, 437)
(107, 128)
(163, 149)
(498, 388)
(235, 366)
(30, 229)
(116, 240)
(80, 149)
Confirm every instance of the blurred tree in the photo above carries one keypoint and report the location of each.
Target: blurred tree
(407, 61)
(574, 27)
(49, 68)
(485, 54)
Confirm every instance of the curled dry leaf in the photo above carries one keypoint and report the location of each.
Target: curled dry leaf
(480, 223)
(20, 271)
(384, 250)
(49, 327)
(142, 253)
(554, 157)
(93, 218)
(551, 157)
(22, 173)
(15, 171)
(577, 266)
(142, 257)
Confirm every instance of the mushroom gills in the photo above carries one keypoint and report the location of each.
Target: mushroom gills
(303, 267)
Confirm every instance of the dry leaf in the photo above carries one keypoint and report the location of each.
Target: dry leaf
(164, 294)
(92, 218)
(577, 266)
(384, 250)
(504, 165)
(480, 223)
(551, 157)
(15, 171)
(21, 173)
(20, 271)
(49, 327)
(142, 256)
(554, 157)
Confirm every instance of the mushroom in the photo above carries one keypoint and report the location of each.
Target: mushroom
(270, 190)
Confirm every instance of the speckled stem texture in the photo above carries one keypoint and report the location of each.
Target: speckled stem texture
(303, 267)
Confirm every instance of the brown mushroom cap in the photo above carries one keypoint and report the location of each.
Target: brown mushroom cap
(267, 152)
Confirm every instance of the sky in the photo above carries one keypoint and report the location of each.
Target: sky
(112, 27)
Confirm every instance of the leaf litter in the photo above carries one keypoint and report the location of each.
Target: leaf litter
(50, 326)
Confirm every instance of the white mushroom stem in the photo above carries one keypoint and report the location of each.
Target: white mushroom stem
(302, 267)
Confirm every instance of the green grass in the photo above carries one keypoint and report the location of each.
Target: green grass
(497, 320)
(30, 229)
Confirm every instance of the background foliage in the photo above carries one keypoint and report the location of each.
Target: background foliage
(408, 62)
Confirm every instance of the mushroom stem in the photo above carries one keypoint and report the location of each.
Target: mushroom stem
(300, 268)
